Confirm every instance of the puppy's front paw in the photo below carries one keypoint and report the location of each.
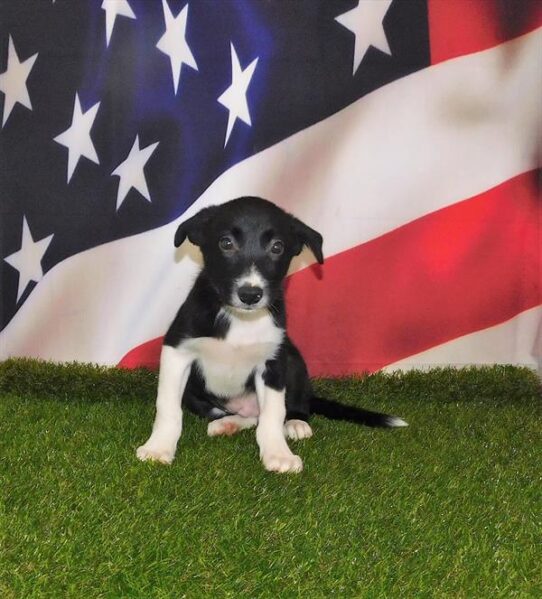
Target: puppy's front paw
(155, 453)
(282, 462)
(297, 429)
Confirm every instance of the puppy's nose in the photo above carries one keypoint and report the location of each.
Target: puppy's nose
(250, 295)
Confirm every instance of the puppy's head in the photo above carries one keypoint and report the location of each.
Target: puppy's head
(247, 245)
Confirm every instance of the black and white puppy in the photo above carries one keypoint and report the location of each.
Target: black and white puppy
(227, 356)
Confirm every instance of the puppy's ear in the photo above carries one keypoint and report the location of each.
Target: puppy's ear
(194, 228)
(309, 237)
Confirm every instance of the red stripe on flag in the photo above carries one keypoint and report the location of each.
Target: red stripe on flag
(462, 269)
(146, 355)
(458, 270)
(459, 27)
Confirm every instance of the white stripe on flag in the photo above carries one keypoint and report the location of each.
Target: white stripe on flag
(516, 341)
(423, 142)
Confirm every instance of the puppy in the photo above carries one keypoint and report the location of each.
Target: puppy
(227, 356)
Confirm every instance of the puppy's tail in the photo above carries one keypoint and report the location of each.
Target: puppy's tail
(337, 411)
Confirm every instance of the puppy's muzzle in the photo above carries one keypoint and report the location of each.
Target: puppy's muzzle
(250, 295)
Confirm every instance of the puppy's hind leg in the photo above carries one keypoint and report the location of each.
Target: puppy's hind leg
(298, 393)
(297, 429)
(229, 425)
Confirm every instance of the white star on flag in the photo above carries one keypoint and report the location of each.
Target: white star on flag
(77, 137)
(131, 172)
(13, 81)
(28, 259)
(365, 21)
(234, 98)
(174, 44)
(113, 9)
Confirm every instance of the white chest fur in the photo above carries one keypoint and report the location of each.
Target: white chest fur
(226, 364)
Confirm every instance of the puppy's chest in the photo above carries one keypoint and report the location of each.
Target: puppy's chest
(226, 364)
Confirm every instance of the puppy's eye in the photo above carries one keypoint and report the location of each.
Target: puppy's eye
(226, 244)
(277, 247)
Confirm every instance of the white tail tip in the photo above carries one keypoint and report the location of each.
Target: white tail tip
(394, 421)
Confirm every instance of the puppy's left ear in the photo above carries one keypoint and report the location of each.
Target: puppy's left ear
(194, 228)
(309, 237)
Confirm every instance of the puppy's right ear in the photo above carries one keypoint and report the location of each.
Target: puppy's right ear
(194, 228)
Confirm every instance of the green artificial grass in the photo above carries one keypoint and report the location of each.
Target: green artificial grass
(449, 507)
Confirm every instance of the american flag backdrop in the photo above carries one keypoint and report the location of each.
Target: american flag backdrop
(406, 131)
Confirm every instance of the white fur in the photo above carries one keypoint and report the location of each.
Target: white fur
(229, 425)
(174, 370)
(274, 451)
(297, 429)
(226, 364)
(253, 278)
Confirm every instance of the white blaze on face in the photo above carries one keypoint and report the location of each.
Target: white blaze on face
(251, 278)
